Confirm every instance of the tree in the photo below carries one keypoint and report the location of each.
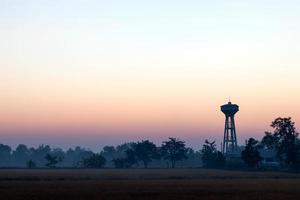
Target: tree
(269, 141)
(130, 158)
(250, 155)
(285, 132)
(95, 161)
(109, 152)
(52, 160)
(127, 162)
(193, 158)
(74, 157)
(120, 163)
(145, 152)
(30, 164)
(38, 154)
(5, 155)
(20, 155)
(211, 157)
(121, 149)
(174, 150)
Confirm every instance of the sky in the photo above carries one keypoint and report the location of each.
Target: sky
(94, 73)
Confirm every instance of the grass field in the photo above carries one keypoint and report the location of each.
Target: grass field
(147, 184)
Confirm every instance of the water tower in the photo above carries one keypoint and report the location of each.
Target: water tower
(229, 141)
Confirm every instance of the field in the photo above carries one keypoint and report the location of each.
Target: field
(147, 184)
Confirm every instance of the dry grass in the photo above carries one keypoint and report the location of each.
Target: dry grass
(147, 184)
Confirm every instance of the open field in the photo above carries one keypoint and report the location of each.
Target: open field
(147, 184)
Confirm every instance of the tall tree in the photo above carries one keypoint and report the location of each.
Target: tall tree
(145, 152)
(250, 155)
(211, 157)
(174, 150)
(286, 134)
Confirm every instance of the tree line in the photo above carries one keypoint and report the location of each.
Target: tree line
(171, 153)
(134, 154)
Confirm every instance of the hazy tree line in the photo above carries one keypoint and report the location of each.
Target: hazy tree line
(171, 153)
(141, 154)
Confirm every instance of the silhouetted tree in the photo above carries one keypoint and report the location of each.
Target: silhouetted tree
(95, 161)
(20, 155)
(38, 154)
(120, 163)
(269, 141)
(118, 156)
(130, 158)
(30, 164)
(174, 150)
(52, 160)
(285, 134)
(250, 155)
(128, 161)
(73, 157)
(109, 153)
(211, 157)
(193, 159)
(5, 155)
(145, 152)
(121, 149)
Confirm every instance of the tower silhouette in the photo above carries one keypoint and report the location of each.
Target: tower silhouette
(229, 141)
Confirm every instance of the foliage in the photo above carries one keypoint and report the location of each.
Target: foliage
(95, 161)
(251, 155)
(109, 152)
(269, 141)
(21, 155)
(130, 158)
(120, 163)
(30, 164)
(5, 152)
(211, 157)
(52, 160)
(174, 150)
(145, 152)
(121, 156)
(285, 134)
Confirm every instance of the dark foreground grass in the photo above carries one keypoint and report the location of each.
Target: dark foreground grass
(147, 184)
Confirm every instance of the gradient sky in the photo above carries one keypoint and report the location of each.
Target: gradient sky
(104, 72)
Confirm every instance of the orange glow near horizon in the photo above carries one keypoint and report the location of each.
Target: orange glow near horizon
(122, 72)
